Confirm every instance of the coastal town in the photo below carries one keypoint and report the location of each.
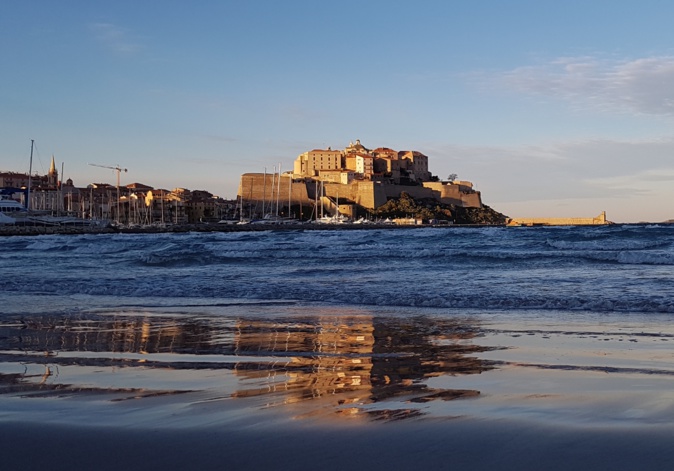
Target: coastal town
(355, 184)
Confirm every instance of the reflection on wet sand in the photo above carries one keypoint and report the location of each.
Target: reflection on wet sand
(350, 362)
(349, 365)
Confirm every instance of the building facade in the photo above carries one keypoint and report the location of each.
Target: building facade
(311, 163)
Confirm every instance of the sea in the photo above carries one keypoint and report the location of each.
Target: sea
(385, 324)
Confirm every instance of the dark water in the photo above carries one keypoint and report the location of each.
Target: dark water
(595, 269)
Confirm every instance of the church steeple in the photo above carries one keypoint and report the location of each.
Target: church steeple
(53, 176)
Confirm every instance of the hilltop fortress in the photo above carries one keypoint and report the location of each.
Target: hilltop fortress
(352, 181)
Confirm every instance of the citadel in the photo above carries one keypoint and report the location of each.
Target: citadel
(350, 182)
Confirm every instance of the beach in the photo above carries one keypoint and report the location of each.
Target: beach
(300, 386)
(465, 445)
(476, 348)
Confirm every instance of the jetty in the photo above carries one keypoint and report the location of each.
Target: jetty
(595, 221)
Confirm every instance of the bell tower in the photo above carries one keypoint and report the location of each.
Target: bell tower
(53, 175)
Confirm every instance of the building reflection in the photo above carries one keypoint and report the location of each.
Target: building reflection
(359, 360)
(115, 334)
(343, 363)
(313, 357)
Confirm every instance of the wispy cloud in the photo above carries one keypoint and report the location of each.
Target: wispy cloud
(488, 154)
(562, 170)
(115, 38)
(645, 180)
(643, 86)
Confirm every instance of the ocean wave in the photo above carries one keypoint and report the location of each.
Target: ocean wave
(624, 257)
(649, 258)
(175, 258)
(607, 244)
(596, 269)
(514, 303)
(45, 244)
(368, 293)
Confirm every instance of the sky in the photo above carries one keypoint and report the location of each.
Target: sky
(551, 108)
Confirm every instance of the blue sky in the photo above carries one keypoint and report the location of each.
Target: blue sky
(552, 108)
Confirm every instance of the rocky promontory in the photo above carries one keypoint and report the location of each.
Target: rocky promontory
(430, 210)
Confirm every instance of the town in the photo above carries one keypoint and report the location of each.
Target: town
(50, 200)
(325, 185)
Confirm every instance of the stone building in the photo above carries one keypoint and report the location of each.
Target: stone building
(416, 165)
(387, 163)
(14, 180)
(310, 163)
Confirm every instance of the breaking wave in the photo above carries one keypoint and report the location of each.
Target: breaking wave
(613, 269)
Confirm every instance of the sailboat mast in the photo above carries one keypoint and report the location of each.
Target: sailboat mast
(241, 202)
(264, 191)
(30, 175)
(61, 204)
(271, 200)
(278, 188)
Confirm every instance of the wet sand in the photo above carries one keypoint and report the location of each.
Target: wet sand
(291, 386)
(457, 445)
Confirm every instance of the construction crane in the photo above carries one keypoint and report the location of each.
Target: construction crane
(119, 170)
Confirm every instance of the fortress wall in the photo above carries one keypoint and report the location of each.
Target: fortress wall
(337, 190)
(447, 194)
(457, 194)
(394, 191)
(368, 194)
(330, 208)
(471, 200)
(334, 192)
(255, 187)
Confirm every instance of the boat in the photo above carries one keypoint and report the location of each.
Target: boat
(336, 219)
(11, 211)
(270, 219)
(11, 207)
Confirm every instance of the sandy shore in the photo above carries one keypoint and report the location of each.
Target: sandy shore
(461, 444)
(303, 387)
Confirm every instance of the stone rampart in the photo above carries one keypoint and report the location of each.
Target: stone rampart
(456, 194)
(257, 187)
